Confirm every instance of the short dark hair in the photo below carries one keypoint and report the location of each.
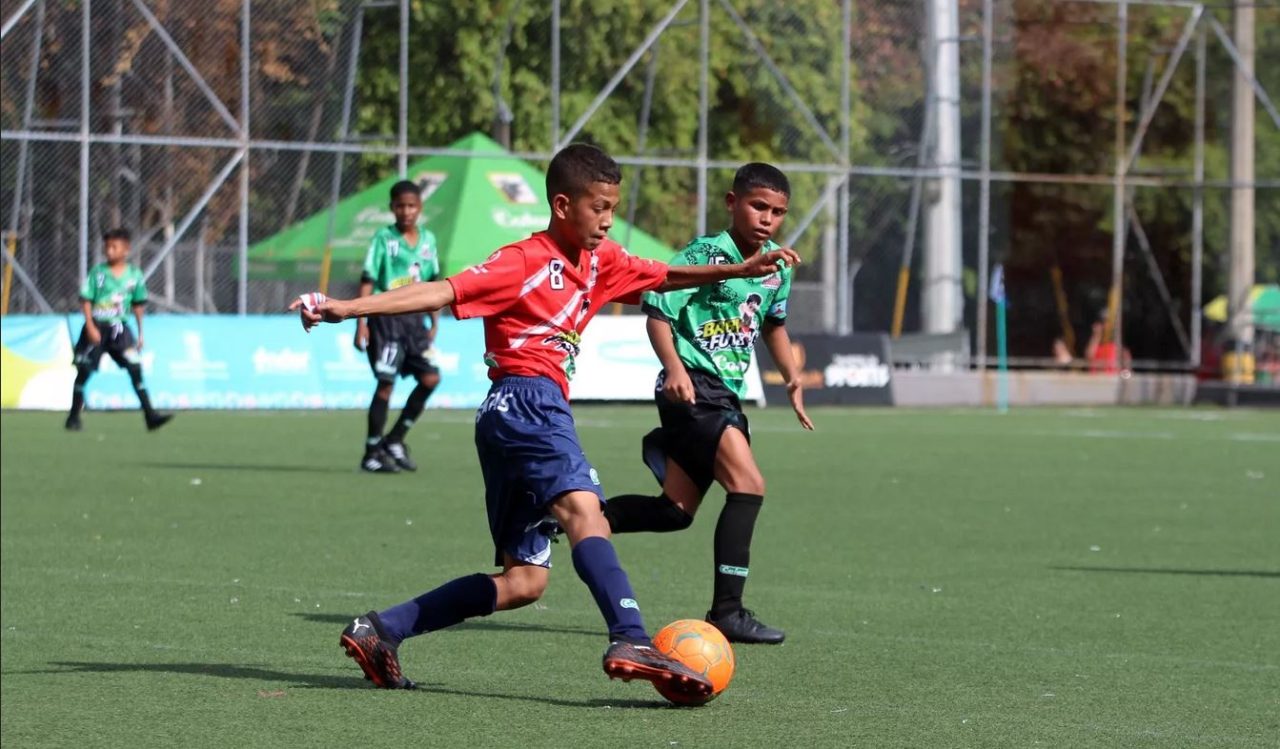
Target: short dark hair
(404, 186)
(576, 167)
(756, 174)
(117, 233)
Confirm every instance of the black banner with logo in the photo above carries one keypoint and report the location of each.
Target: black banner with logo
(835, 370)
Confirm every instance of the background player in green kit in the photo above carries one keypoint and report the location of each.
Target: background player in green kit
(398, 345)
(704, 338)
(109, 289)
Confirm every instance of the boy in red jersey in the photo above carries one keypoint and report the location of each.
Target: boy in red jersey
(536, 297)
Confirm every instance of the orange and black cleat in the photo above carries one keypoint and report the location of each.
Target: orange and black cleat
(365, 643)
(627, 661)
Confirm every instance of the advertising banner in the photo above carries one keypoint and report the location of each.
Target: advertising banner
(266, 361)
(617, 363)
(841, 370)
(35, 362)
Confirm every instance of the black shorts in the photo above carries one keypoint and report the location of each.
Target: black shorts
(398, 347)
(690, 433)
(117, 342)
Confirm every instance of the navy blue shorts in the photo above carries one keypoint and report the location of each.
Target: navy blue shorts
(530, 456)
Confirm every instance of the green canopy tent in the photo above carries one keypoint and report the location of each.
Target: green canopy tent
(473, 204)
(1264, 307)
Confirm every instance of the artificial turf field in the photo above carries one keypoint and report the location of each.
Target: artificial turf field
(1059, 578)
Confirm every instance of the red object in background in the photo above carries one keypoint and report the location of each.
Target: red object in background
(1104, 359)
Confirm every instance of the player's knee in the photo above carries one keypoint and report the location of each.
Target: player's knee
(383, 391)
(522, 586)
(675, 516)
(746, 482)
(430, 381)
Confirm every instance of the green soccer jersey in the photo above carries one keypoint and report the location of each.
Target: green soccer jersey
(113, 297)
(715, 327)
(392, 263)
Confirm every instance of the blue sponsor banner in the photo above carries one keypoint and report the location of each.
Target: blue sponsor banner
(266, 361)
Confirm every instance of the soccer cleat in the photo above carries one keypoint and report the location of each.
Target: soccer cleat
(627, 661)
(155, 421)
(400, 454)
(73, 423)
(743, 626)
(377, 460)
(363, 641)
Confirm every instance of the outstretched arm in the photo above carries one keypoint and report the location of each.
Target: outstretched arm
(760, 264)
(779, 345)
(417, 297)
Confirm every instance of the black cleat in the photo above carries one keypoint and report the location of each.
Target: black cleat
(155, 421)
(363, 641)
(626, 661)
(743, 626)
(400, 454)
(376, 460)
(73, 423)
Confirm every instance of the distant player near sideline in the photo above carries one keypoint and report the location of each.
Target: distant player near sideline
(704, 338)
(398, 345)
(108, 291)
(536, 297)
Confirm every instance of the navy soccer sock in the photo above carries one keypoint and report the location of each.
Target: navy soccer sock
(597, 565)
(456, 600)
(733, 550)
(377, 421)
(413, 406)
(631, 513)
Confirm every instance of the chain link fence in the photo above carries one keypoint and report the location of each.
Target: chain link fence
(207, 128)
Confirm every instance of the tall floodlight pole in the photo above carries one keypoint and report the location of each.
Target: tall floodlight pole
(1115, 303)
(402, 157)
(85, 21)
(984, 199)
(942, 268)
(242, 283)
(1242, 220)
(704, 73)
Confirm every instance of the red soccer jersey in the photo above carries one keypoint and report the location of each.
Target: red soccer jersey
(535, 305)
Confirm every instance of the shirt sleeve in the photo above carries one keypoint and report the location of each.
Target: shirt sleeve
(667, 305)
(777, 312)
(139, 289)
(628, 276)
(489, 288)
(373, 259)
(86, 288)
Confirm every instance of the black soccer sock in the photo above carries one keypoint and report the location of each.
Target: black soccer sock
(139, 387)
(632, 513)
(377, 421)
(733, 550)
(77, 390)
(413, 406)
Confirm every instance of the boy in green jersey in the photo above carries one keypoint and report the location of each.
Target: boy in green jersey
(398, 345)
(108, 290)
(704, 338)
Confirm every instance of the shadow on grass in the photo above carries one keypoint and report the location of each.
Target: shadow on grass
(316, 681)
(474, 625)
(1162, 571)
(217, 670)
(276, 468)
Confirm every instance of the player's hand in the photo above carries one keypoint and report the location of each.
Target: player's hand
(677, 387)
(362, 335)
(315, 308)
(95, 335)
(796, 394)
(764, 263)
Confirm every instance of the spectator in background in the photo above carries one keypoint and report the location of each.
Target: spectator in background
(1102, 353)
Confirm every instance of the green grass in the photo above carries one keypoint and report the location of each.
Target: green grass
(1074, 578)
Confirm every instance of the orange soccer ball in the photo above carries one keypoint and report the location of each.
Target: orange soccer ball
(701, 647)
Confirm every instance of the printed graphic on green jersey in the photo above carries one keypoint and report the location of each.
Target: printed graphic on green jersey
(392, 262)
(112, 297)
(715, 327)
